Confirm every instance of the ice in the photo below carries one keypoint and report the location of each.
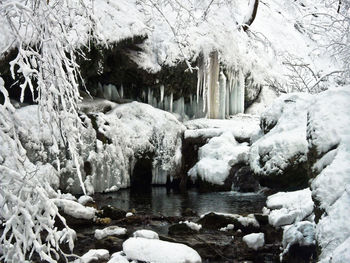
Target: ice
(109, 231)
(254, 240)
(289, 207)
(157, 251)
(144, 233)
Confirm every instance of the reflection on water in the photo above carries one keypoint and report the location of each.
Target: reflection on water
(169, 203)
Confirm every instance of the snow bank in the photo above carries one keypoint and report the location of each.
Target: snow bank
(217, 157)
(157, 251)
(329, 141)
(75, 209)
(319, 128)
(289, 207)
(146, 234)
(244, 220)
(109, 231)
(254, 240)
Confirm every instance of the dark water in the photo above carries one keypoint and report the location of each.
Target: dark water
(169, 203)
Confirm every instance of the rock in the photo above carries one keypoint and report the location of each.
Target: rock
(299, 242)
(181, 229)
(111, 243)
(113, 212)
(103, 221)
(215, 221)
(254, 240)
(244, 180)
(262, 219)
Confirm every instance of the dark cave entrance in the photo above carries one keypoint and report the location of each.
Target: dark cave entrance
(141, 179)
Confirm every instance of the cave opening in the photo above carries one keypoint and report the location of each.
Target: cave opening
(141, 178)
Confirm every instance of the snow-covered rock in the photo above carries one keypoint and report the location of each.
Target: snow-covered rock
(75, 209)
(242, 126)
(289, 207)
(217, 157)
(93, 255)
(279, 157)
(254, 240)
(144, 233)
(118, 257)
(157, 251)
(301, 233)
(192, 225)
(109, 231)
(84, 199)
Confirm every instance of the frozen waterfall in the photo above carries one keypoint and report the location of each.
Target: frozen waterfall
(220, 92)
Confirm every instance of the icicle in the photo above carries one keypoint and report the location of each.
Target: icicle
(143, 95)
(222, 96)
(121, 93)
(171, 102)
(161, 93)
(213, 87)
(149, 96)
(241, 89)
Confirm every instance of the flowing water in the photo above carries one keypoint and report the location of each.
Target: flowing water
(170, 203)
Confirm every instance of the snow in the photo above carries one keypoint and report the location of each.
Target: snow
(241, 126)
(227, 228)
(144, 233)
(289, 207)
(93, 255)
(329, 127)
(265, 99)
(217, 157)
(84, 199)
(109, 231)
(128, 214)
(254, 240)
(118, 257)
(272, 153)
(192, 225)
(157, 251)
(302, 233)
(75, 209)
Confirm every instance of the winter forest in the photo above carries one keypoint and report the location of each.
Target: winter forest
(172, 131)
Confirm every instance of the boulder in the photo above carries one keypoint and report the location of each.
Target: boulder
(244, 180)
(113, 212)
